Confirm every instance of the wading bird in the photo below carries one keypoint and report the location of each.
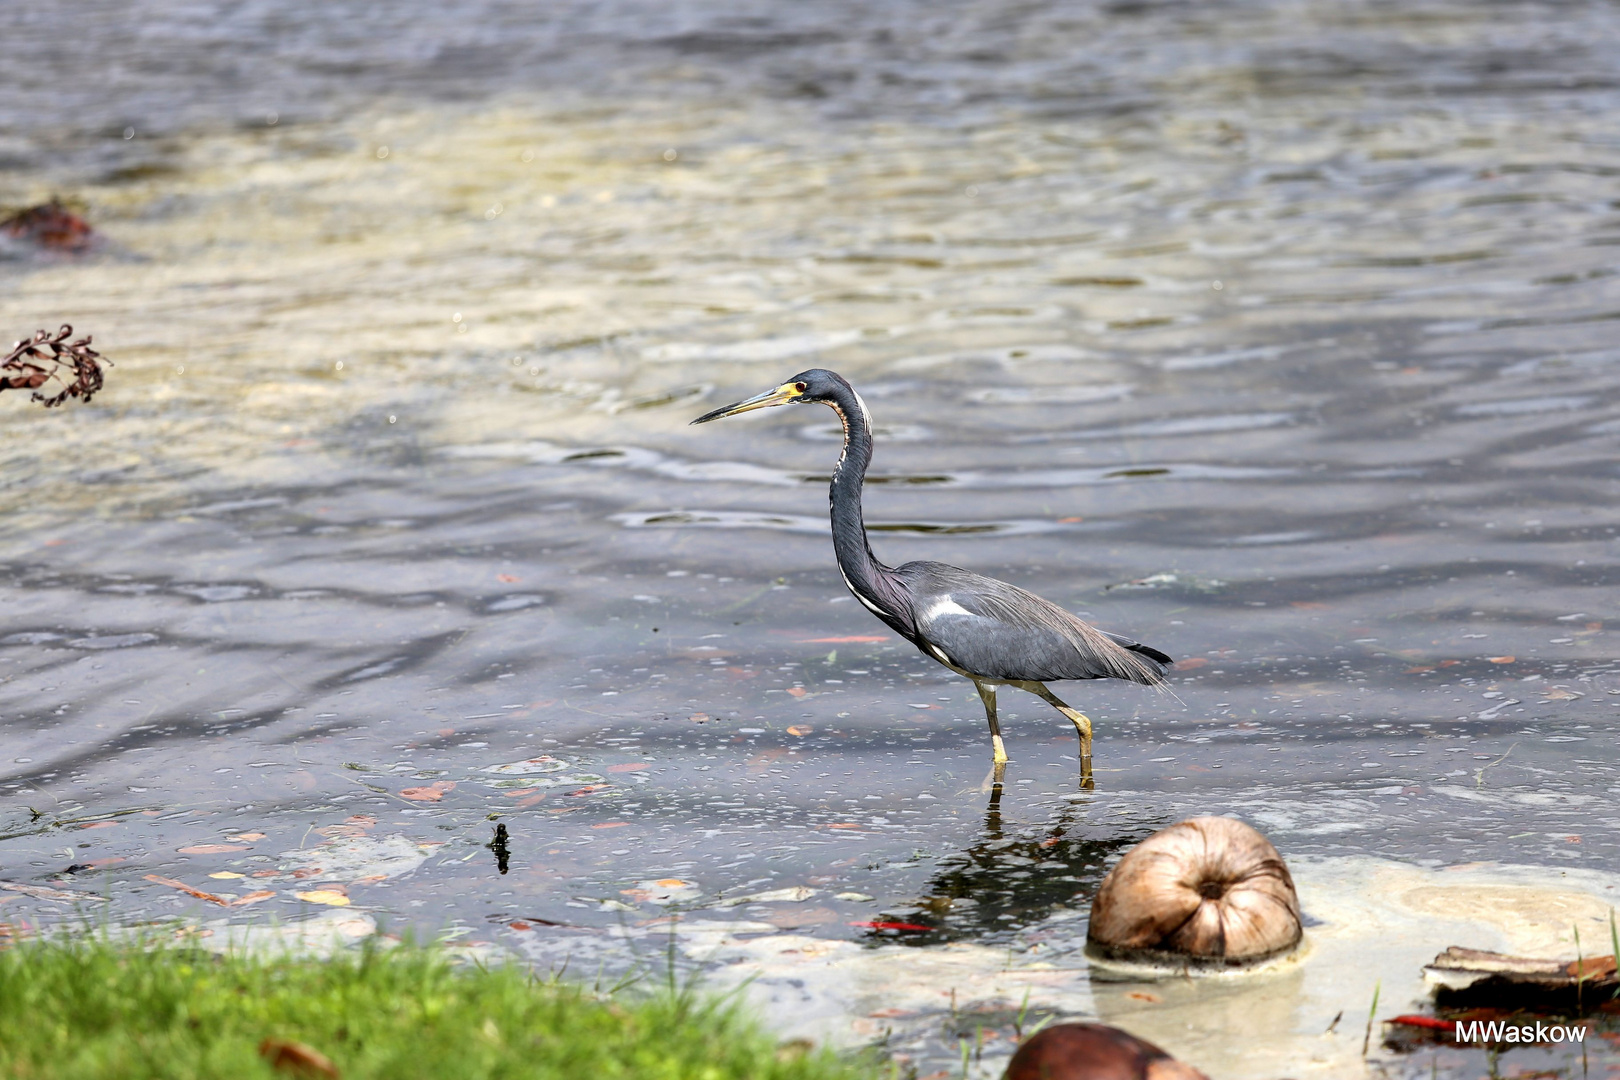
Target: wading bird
(994, 633)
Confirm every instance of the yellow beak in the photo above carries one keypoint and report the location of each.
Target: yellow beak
(782, 395)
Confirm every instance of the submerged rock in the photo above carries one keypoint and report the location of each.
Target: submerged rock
(1094, 1052)
(1209, 892)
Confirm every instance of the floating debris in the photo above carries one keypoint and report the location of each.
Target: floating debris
(41, 892)
(663, 891)
(51, 226)
(503, 854)
(1175, 580)
(46, 358)
(1473, 977)
(348, 858)
(794, 895)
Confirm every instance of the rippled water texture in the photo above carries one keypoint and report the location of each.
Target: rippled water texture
(1279, 336)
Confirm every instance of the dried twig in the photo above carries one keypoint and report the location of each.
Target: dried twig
(45, 358)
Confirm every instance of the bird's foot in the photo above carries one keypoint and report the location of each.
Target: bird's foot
(993, 779)
(1087, 782)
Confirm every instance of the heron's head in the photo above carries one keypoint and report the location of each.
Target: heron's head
(815, 385)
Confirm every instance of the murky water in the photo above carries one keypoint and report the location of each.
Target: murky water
(1279, 336)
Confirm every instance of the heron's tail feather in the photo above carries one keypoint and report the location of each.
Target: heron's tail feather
(1149, 662)
(1162, 659)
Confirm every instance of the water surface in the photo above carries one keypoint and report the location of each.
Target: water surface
(1279, 336)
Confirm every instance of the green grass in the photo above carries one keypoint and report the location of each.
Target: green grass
(85, 1007)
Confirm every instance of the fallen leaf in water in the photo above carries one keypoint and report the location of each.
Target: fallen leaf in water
(797, 691)
(1142, 995)
(629, 766)
(611, 825)
(248, 836)
(432, 793)
(1429, 1022)
(351, 858)
(1307, 605)
(1502, 659)
(586, 790)
(211, 849)
(324, 896)
(41, 892)
(700, 718)
(662, 891)
(800, 730)
(891, 926)
(791, 895)
(252, 897)
(1191, 662)
(534, 766)
(225, 874)
(508, 578)
(188, 890)
(295, 1057)
(845, 825)
(1560, 693)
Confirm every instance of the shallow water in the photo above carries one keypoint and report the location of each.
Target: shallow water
(392, 483)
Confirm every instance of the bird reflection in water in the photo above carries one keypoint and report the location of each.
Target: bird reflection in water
(1006, 881)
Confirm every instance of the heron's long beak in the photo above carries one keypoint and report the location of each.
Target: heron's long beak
(782, 395)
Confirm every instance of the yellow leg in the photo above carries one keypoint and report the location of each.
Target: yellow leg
(1081, 722)
(987, 694)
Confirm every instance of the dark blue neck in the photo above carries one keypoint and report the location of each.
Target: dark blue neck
(870, 581)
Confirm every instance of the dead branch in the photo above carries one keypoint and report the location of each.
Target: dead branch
(50, 359)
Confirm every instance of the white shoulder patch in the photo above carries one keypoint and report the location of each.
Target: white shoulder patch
(944, 606)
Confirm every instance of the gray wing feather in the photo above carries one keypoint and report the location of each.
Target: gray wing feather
(999, 631)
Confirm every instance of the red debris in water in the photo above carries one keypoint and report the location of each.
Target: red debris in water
(44, 358)
(50, 225)
(1430, 1022)
(891, 926)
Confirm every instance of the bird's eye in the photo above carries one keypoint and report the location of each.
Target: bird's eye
(800, 387)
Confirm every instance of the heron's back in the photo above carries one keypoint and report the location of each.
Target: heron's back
(998, 631)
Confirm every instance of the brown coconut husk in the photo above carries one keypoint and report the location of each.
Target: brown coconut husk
(1094, 1052)
(1206, 893)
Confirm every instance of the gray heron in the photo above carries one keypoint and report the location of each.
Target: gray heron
(987, 630)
